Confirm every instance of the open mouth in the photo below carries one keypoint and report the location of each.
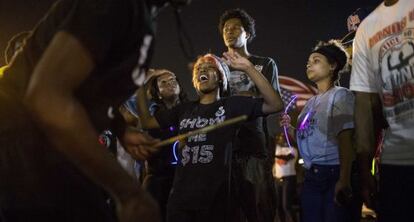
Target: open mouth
(203, 78)
(229, 39)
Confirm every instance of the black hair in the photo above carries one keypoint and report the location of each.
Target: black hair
(246, 20)
(335, 53)
(154, 92)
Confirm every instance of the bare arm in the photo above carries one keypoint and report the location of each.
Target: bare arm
(147, 120)
(134, 137)
(64, 65)
(346, 157)
(346, 154)
(368, 120)
(272, 100)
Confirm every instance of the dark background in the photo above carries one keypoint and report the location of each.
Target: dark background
(286, 30)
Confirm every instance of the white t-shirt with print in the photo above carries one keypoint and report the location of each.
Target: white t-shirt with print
(383, 63)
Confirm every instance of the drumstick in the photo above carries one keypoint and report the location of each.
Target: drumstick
(202, 130)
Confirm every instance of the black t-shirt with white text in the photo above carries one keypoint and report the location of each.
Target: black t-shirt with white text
(163, 162)
(202, 166)
(252, 135)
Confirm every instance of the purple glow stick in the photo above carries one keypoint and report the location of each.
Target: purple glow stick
(304, 121)
(284, 127)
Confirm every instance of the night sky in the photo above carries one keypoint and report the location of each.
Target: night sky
(286, 30)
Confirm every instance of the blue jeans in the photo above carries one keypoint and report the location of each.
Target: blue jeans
(317, 198)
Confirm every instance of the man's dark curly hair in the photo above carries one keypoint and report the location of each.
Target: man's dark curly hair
(246, 20)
